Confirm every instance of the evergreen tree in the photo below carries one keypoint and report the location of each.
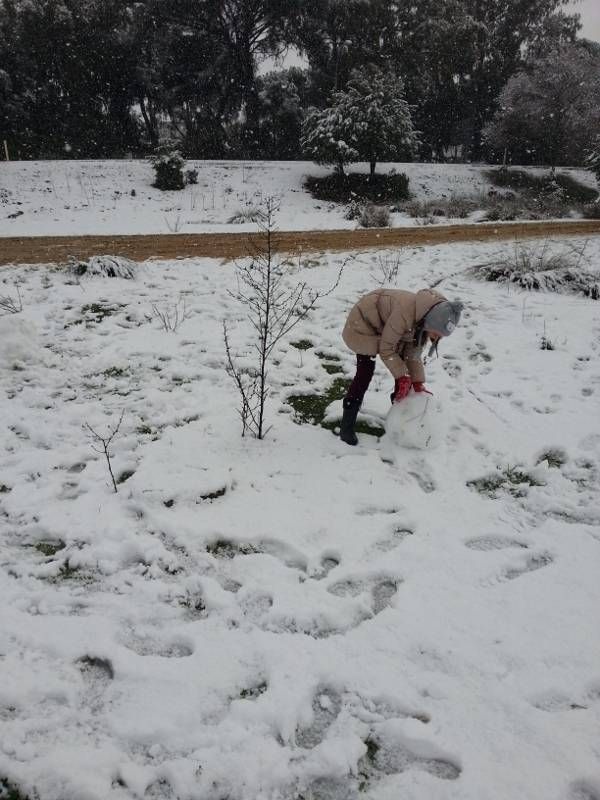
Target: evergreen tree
(549, 114)
(370, 121)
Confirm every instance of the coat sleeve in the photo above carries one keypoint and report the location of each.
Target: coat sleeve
(413, 359)
(389, 344)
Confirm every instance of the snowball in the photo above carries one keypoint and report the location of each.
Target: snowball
(417, 422)
(18, 342)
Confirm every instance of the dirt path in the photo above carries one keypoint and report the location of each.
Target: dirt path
(57, 249)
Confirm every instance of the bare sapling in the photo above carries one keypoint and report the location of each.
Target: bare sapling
(10, 304)
(274, 307)
(388, 265)
(102, 444)
(171, 317)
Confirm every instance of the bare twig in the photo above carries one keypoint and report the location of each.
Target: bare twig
(105, 442)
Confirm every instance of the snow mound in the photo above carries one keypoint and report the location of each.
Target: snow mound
(417, 422)
(18, 342)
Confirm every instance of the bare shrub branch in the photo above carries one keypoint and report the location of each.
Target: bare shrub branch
(171, 317)
(274, 307)
(11, 305)
(105, 442)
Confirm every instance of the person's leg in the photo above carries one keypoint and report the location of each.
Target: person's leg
(365, 367)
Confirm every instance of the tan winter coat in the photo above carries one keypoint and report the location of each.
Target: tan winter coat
(383, 322)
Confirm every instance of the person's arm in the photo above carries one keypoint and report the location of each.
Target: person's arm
(389, 341)
(413, 358)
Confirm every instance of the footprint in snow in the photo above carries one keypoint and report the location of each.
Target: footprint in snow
(328, 562)
(97, 674)
(387, 757)
(584, 790)
(533, 562)
(381, 590)
(149, 646)
(326, 706)
(396, 537)
(555, 701)
(230, 548)
(494, 543)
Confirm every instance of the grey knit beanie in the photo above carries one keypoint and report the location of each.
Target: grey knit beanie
(443, 317)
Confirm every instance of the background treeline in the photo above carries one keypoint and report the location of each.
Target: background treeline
(105, 78)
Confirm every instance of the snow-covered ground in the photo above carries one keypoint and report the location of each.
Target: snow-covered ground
(48, 198)
(293, 617)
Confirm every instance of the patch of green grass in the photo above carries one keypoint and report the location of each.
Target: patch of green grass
(125, 475)
(8, 791)
(332, 369)
(96, 312)
(214, 495)
(327, 356)
(254, 691)
(114, 372)
(224, 548)
(302, 344)
(555, 457)
(311, 408)
(512, 480)
(48, 547)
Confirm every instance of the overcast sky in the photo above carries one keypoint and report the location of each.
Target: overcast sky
(590, 17)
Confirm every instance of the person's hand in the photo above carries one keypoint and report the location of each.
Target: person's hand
(401, 388)
(421, 388)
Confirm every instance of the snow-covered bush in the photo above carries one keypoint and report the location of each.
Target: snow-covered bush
(191, 176)
(593, 158)
(370, 121)
(542, 270)
(168, 165)
(104, 267)
(373, 216)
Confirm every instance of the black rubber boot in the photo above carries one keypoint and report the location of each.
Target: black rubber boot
(351, 408)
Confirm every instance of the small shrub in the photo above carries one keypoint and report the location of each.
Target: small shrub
(546, 344)
(353, 211)
(103, 266)
(191, 176)
(547, 194)
(375, 217)
(356, 186)
(591, 210)
(168, 166)
(244, 215)
(459, 207)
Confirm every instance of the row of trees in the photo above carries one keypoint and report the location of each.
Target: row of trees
(96, 78)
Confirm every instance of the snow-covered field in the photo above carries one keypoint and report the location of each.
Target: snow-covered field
(293, 617)
(47, 198)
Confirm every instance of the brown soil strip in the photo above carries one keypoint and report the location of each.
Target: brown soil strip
(58, 249)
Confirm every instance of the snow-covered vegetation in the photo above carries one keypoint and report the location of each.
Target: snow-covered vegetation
(293, 618)
(98, 197)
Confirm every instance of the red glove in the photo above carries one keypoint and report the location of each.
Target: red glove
(420, 387)
(401, 388)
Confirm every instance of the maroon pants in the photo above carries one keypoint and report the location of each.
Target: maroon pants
(365, 367)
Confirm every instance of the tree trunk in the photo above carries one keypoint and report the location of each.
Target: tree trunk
(372, 165)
